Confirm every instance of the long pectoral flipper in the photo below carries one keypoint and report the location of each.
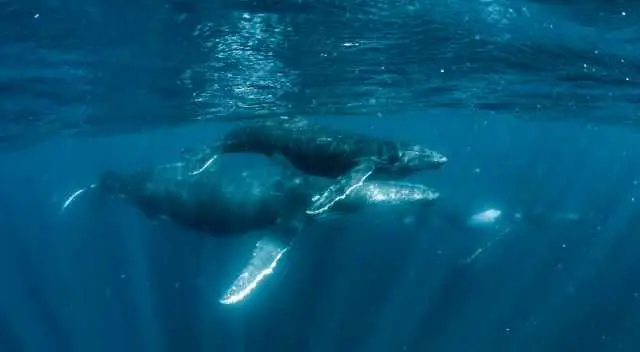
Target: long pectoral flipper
(264, 259)
(344, 185)
(73, 196)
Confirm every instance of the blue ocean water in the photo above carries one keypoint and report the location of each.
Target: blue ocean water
(101, 276)
(534, 103)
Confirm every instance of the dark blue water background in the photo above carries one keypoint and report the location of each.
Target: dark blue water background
(534, 102)
(103, 277)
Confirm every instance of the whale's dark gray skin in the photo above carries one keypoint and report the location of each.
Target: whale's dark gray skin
(229, 199)
(215, 201)
(245, 193)
(348, 158)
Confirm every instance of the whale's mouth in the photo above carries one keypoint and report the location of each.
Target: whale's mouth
(432, 195)
(419, 158)
(440, 159)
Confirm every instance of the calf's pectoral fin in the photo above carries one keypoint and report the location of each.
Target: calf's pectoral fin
(344, 185)
(199, 159)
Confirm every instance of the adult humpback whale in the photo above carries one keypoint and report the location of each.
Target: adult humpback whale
(349, 158)
(245, 193)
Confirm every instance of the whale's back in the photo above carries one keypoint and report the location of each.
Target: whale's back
(237, 194)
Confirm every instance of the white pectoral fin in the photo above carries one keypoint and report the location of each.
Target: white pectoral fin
(73, 196)
(343, 186)
(199, 159)
(264, 259)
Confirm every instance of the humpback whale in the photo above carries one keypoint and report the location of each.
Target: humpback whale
(347, 158)
(245, 193)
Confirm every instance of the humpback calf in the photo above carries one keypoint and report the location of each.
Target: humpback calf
(348, 158)
(237, 196)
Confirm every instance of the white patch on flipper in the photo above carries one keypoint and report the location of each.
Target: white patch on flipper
(205, 166)
(75, 194)
(263, 261)
(338, 198)
(358, 182)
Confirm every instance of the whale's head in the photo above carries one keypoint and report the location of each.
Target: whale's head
(414, 158)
